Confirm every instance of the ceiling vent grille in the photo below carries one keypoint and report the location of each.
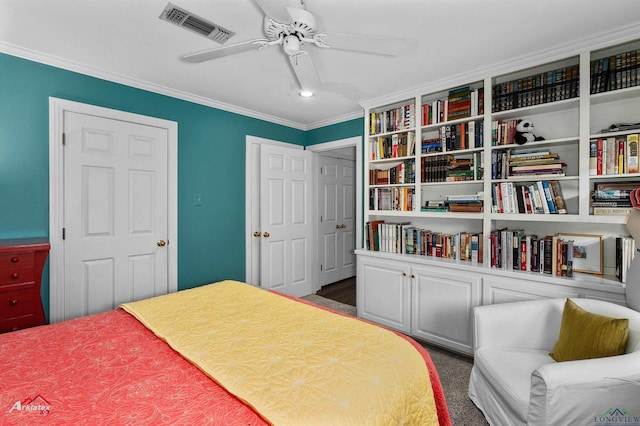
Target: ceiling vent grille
(198, 25)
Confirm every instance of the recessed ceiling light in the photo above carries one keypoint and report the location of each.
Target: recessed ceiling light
(306, 93)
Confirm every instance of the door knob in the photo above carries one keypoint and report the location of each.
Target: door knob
(162, 243)
(265, 234)
(257, 234)
(337, 226)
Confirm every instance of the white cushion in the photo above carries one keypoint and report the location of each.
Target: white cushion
(508, 373)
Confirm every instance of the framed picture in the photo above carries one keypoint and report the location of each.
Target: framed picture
(587, 252)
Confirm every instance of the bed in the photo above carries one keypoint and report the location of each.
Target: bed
(227, 353)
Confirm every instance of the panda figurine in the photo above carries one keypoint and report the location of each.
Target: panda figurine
(524, 133)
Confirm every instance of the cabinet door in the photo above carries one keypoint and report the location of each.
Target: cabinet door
(501, 290)
(382, 293)
(442, 306)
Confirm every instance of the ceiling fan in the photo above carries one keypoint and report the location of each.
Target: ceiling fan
(287, 23)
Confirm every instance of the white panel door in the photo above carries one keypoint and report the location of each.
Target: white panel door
(285, 220)
(115, 213)
(337, 219)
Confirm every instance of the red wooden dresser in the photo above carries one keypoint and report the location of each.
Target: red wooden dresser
(21, 263)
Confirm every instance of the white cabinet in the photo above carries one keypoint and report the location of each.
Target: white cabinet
(442, 303)
(433, 300)
(383, 292)
(425, 301)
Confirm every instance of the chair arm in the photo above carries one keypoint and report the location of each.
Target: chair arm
(532, 324)
(575, 392)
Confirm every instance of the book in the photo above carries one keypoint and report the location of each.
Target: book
(556, 191)
(632, 153)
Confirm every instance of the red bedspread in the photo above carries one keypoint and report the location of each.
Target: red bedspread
(109, 369)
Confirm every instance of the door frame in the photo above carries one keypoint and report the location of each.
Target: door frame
(57, 108)
(329, 146)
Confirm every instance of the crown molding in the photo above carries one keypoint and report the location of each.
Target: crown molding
(335, 120)
(65, 64)
(559, 52)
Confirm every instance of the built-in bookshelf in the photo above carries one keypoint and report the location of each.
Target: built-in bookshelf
(461, 180)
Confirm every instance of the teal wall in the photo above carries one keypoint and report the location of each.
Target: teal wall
(346, 129)
(211, 161)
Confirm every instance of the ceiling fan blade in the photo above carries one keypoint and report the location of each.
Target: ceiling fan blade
(305, 71)
(219, 52)
(275, 9)
(389, 46)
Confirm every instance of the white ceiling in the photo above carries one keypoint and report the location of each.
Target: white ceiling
(125, 41)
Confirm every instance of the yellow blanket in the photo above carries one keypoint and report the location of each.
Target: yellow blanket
(293, 363)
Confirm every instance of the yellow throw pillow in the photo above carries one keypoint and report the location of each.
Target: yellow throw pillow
(585, 335)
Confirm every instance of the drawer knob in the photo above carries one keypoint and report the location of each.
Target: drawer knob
(15, 275)
(13, 302)
(15, 259)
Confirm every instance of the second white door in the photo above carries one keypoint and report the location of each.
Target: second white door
(286, 259)
(337, 219)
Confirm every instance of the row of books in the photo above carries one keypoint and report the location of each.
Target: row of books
(508, 249)
(514, 250)
(396, 198)
(625, 252)
(615, 72)
(613, 155)
(405, 238)
(612, 198)
(541, 197)
(461, 103)
(393, 120)
(405, 172)
(534, 163)
(455, 137)
(397, 145)
(503, 132)
(450, 168)
(550, 86)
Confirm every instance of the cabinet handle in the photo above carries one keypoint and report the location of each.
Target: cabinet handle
(15, 275)
(15, 259)
(13, 302)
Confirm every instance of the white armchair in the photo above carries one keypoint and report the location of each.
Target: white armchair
(514, 381)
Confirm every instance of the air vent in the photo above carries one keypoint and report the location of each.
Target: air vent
(198, 25)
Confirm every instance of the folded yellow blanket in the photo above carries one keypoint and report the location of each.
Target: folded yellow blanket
(293, 363)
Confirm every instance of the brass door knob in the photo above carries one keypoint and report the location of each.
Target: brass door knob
(266, 234)
(337, 226)
(162, 243)
(257, 234)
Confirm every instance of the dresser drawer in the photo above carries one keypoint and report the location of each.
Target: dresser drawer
(14, 324)
(19, 260)
(17, 302)
(16, 275)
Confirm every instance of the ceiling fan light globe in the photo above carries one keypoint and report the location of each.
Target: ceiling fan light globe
(291, 45)
(306, 93)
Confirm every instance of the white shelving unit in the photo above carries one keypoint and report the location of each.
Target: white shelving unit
(567, 125)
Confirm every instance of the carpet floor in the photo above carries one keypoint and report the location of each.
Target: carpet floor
(454, 371)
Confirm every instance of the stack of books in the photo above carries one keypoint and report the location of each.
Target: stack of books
(536, 162)
(612, 198)
(465, 203)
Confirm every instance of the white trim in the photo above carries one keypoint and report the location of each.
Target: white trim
(357, 142)
(57, 107)
(54, 61)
